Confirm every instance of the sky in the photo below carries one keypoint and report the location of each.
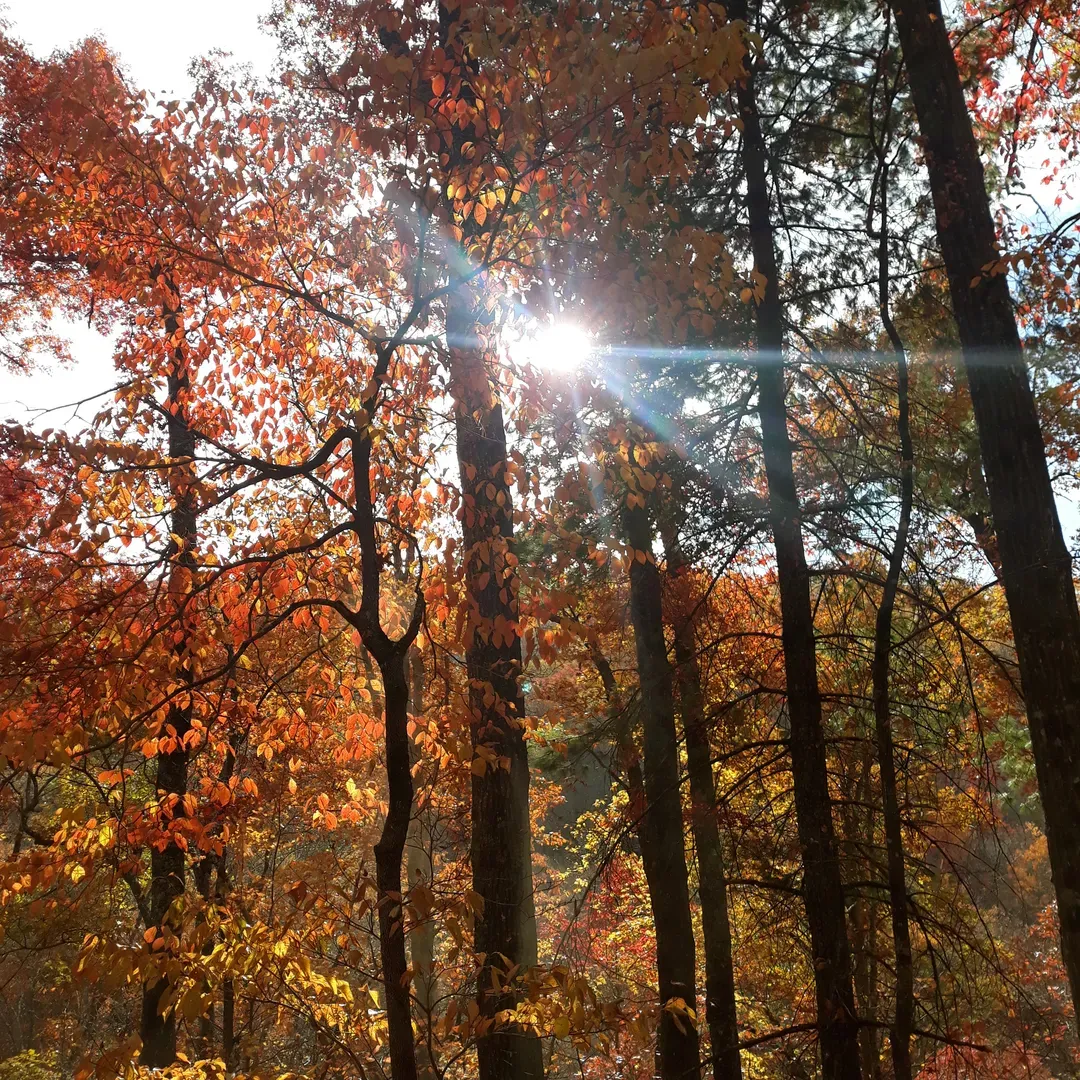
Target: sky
(155, 44)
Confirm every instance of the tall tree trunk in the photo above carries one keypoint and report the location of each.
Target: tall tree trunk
(629, 759)
(721, 1013)
(904, 1017)
(388, 854)
(1035, 563)
(505, 934)
(167, 863)
(228, 1024)
(501, 850)
(209, 880)
(392, 657)
(823, 891)
(859, 826)
(203, 876)
(662, 850)
(420, 870)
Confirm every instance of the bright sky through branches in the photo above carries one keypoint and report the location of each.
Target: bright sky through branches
(155, 44)
(560, 346)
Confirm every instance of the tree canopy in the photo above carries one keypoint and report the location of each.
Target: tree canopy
(568, 577)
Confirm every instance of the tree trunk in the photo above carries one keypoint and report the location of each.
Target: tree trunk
(505, 933)
(167, 865)
(822, 885)
(1035, 563)
(388, 855)
(720, 1007)
(392, 657)
(209, 880)
(904, 1017)
(662, 849)
(501, 850)
(203, 876)
(228, 1024)
(420, 869)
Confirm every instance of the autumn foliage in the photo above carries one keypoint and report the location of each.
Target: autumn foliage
(382, 696)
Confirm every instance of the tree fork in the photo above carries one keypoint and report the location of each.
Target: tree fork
(721, 1013)
(662, 850)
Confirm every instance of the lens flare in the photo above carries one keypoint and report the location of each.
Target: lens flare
(559, 347)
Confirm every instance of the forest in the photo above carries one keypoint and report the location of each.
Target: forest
(570, 573)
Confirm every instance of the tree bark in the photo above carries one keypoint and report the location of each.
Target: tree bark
(392, 657)
(228, 1024)
(823, 891)
(662, 849)
(904, 1016)
(721, 1013)
(505, 932)
(1035, 563)
(420, 870)
(388, 855)
(167, 864)
(501, 849)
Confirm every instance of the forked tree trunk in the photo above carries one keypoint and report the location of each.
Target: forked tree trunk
(721, 1013)
(1035, 565)
(662, 850)
(392, 657)
(823, 893)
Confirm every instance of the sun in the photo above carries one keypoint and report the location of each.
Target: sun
(556, 346)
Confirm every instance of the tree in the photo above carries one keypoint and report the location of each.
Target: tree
(343, 587)
(1036, 567)
(822, 887)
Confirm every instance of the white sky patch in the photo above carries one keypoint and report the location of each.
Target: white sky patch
(53, 395)
(155, 42)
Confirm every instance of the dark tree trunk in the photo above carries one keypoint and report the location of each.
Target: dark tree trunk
(388, 854)
(392, 656)
(210, 883)
(904, 1017)
(203, 876)
(420, 870)
(662, 849)
(501, 832)
(228, 1024)
(721, 1013)
(501, 850)
(1036, 569)
(822, 885)
(167, 865)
